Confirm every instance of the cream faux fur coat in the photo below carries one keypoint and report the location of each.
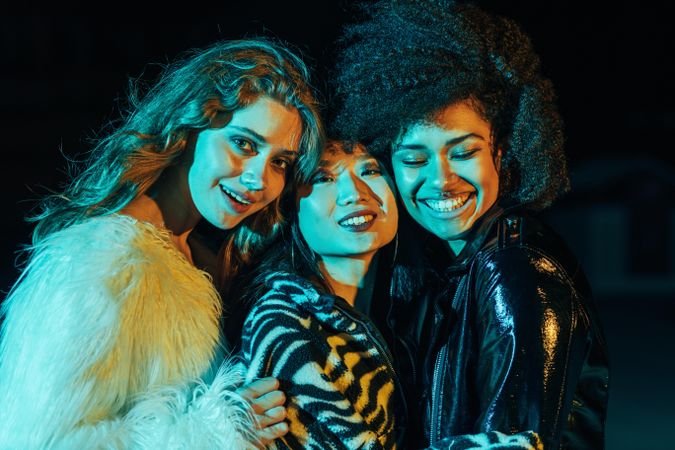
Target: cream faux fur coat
(105, 338)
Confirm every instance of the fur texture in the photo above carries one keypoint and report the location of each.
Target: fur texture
(333, 367)
(494, 440)
(105, 335)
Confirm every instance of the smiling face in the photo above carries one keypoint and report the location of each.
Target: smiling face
(348, 208)
(240, 168)
(447, 173)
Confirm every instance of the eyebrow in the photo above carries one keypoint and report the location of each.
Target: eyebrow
(451, 142)
(291, 153)
(255, 135)
(261, 139)
(369, 159)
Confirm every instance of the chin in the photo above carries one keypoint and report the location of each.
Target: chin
(227, 224)
(360, 250)
(448, 234)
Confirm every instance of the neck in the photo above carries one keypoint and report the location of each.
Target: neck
(346, 275)
(456, 246)
(168, 205)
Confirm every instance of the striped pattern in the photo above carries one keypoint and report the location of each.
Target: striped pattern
(493, 440)
(331, 362)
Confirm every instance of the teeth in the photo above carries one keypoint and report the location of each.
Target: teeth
(235, 196)
(358, 220)
(447, 204)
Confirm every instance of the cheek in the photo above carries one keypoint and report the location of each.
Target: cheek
(313, 219)
(275, 185)
(487, 178)
(209, 155)
(388, 198)
(392, 219)
(406, 180)
(197, 179)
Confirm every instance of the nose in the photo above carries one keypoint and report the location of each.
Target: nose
(351, 189)
(442, 174)
(253, 175)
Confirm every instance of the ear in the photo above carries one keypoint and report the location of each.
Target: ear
(498, 159)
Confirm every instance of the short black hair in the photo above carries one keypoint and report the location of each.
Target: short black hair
(405, 60)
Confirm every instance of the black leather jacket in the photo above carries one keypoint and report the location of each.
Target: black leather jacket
(513, 341)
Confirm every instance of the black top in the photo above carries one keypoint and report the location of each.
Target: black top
(511, 340)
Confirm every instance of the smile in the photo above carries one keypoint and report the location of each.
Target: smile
(448, 204)
(358, 221)
(234, 196)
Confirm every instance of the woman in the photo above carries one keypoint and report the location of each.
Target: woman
(113, 322)
(454, 99)
(305, 327)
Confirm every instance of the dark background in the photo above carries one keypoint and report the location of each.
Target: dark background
(64, 76)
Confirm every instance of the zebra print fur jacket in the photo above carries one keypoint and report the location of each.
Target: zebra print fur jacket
(331, 362)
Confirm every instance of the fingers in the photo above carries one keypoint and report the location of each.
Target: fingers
(268, 401)
(267, 435)
(258, 388)
(271, 417)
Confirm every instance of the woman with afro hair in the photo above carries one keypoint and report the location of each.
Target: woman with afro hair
(506, 338)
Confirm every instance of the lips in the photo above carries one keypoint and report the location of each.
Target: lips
(358, 221)
(448, 206)
(239, 201)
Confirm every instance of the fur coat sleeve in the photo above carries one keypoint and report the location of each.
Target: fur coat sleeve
(105, 336)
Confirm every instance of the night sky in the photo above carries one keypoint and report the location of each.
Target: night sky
(65, 76)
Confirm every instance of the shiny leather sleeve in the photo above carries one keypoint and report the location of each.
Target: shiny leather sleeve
(533, 337)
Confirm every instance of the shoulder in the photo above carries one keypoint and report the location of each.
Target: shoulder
(522, 242)
(105, 239)
(286, 291)
(82, 254)
(290, 309)
(113, 257)
(527, 267)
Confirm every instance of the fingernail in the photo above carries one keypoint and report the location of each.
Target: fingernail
(277, 411)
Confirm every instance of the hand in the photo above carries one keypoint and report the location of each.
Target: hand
(268, 407)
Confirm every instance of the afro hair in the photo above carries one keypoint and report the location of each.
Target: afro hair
(405, 60)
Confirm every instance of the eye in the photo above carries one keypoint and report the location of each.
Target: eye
(321, 177)
(411, 157)
(282, 163)
(413, 162)
(372, 170)
(464, 154)
(244, 145)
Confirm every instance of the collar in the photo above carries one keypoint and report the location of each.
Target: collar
(477, 237)
(301, 291)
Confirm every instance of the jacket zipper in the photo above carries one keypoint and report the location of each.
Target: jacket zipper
(437, 381)
(435, 398)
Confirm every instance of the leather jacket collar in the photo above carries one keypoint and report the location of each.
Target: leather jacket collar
(476, 237)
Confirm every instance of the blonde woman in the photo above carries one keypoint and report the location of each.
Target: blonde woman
(111, 335)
